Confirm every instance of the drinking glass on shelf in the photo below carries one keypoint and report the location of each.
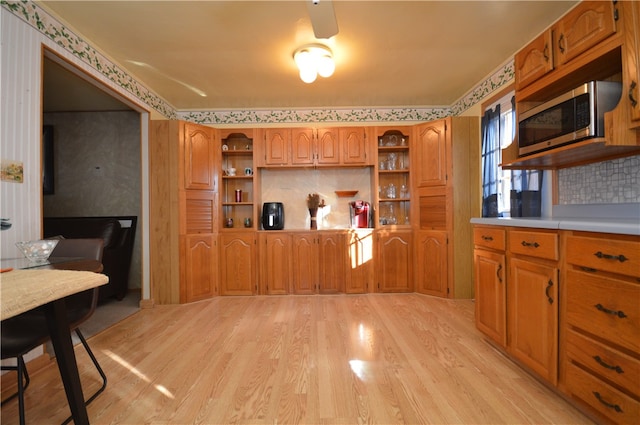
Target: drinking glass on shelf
(391, 161)
(391, 191)
(404, 191)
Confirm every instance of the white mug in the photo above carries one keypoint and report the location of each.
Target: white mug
(231, 171)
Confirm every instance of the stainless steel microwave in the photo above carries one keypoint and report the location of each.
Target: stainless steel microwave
(574, 116)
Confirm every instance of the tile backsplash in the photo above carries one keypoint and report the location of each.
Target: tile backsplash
(291, 187)
(609, 182)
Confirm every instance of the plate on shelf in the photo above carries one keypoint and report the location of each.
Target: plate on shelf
(346, 193)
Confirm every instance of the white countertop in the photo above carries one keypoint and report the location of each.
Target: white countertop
(605, 218)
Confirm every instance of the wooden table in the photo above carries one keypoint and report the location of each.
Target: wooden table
(24, 290)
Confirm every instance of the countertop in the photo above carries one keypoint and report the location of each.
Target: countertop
(605, 218)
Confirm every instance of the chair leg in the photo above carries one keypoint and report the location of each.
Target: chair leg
(26, 379)
(23, 383)
(97, 365)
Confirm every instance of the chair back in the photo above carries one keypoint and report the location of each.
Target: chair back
(80, 306)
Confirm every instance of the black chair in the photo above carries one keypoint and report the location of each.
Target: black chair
(27, 331)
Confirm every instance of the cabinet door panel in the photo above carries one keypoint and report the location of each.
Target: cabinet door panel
(432, 263)
(199, 152)
(431, 147)
(276, 146)
(199, 274)
(583, 27)
(237, 264)
(533, 316)
(355, 145)
(328, 146)
(305, 263)
(332, 263)
(393, 262)
(302, 146)
(275, 255)
(534, 61)
(491, 294)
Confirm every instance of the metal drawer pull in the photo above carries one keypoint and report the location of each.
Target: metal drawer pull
(588, 269)
(602, 308)
(487, 238)
(609, 405)
(533, 244)
(620, 257)
(608, 366)
(546, 291)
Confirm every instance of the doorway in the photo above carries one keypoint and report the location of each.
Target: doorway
(97, 164)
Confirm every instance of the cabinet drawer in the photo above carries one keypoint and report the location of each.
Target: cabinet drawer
(610, 402)
(611, 364)
(607, 308)
(616, 256)
(489, 237)
(534, 244)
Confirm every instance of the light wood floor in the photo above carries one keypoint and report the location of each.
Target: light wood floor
(344, 359)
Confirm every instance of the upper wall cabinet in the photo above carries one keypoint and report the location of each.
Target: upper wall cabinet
(302, 147)
(432, 154)
(199, 157)
(596, 40)
(583, 27)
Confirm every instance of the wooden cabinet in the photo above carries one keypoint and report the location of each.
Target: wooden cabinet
(199, 267)
(534, 60)
(392, 205)
(431, 260)
(355, 146)
(490, 277)
(532, 294)
(275, 263)
(333, 258)
(601, 322)
(431, 149)
(596, 40)
(394, 260)
(360, 261)
(582, 28)
(305, 270)
(237, 194)
(446, 154)
(238, 263)
(183, 211)
(300, 147)
(198, 157)
(631, 61)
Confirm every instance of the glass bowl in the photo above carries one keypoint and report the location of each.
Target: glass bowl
(37, 251)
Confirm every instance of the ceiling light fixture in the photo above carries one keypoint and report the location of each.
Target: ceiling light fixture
(313, 60)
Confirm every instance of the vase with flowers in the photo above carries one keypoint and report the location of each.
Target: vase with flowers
(313, 203)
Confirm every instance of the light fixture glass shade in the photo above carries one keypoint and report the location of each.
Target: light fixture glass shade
(313, 60)
(326, 66)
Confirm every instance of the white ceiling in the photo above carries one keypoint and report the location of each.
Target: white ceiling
(239, 53)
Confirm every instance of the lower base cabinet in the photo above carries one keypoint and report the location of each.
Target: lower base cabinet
(275, 263)
(532, 316)
(360, 261)
(199, 268)
(332, 262)
(431, 262)
(393, 259)
(238, 263)
(304, 257)
(575, 322)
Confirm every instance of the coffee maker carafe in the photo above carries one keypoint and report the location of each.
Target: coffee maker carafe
(359, 212)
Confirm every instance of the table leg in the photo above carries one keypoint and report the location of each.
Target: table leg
(60, 333)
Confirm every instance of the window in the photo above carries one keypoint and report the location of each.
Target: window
(505, 193)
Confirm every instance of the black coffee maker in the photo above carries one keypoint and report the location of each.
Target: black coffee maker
(272, 216)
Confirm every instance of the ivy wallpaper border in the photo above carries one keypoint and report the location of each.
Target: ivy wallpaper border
(49, 26)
